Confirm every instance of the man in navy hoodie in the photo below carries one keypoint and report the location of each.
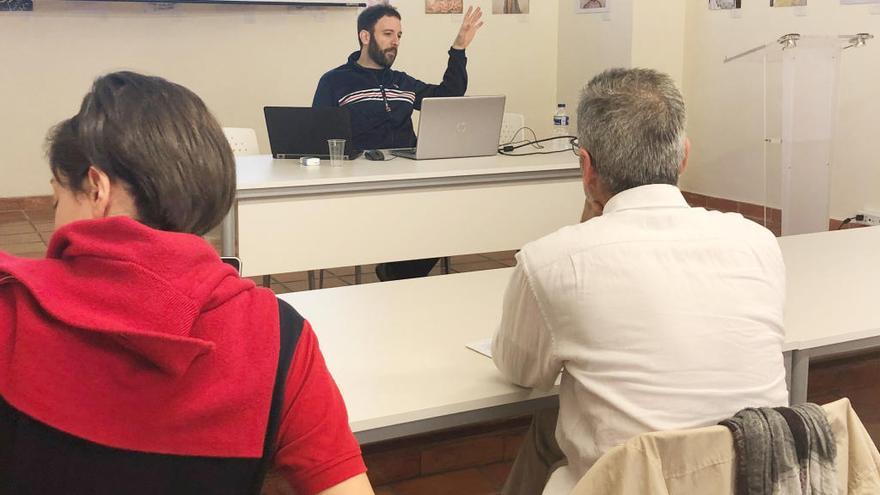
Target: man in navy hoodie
(381, 100)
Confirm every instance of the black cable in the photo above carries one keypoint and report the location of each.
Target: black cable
(845, 222)
(504, 153)
(524, 128)
(506, 150)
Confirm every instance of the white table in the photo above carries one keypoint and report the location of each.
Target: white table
(295, 218)
(397, 349)
(397, 352)
(833, 285)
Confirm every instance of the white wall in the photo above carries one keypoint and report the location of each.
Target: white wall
(241, 58)
(725, 106)
(589, 44)
(238, 59)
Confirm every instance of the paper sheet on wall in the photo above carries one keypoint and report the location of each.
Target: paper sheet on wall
(483, 347)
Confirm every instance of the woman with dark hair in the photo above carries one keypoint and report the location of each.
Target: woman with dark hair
(132, 360)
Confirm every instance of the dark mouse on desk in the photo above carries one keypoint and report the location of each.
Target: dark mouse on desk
(374, 155)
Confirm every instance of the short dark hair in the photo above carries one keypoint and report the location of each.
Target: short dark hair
(159, 140)
(370, 16)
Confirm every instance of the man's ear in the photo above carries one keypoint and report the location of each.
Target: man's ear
(364, 36)
(588, 173)
(97, 192)
(687, 154)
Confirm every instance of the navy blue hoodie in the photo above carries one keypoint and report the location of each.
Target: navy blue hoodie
(381, 101)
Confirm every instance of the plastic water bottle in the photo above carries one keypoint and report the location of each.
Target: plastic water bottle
(560, 128)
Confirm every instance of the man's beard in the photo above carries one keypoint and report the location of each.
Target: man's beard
(385, 58)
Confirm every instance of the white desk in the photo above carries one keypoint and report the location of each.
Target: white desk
(397, 352)
(397, 349)
(294, 218)
(833, 282)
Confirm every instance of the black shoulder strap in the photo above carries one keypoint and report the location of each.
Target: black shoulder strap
(291, 325)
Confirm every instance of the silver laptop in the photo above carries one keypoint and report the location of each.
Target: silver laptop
(457, 127)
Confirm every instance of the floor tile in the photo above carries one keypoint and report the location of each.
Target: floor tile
(464, 482)
(15, 216)
(463, 453)
(280, 289)
(291, 277)
(333, 282)
(16, 228)
(501, 255)
(512, 444)
(34, 255)
(472, 267)
(297, 285)
(393, 465)
(6, 240)
(44, 226)
(349, 270)
(496, 473)
(466, 258)
(40, 216)
(366, 278)
(25, 248)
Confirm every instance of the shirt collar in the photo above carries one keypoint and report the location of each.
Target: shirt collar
(650, 196)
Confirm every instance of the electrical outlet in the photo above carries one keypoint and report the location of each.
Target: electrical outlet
(868, 217)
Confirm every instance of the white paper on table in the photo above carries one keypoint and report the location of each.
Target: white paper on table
(483, 347)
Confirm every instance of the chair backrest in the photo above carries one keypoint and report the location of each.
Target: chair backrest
(511, 123)
(243, 140)
(628, 468)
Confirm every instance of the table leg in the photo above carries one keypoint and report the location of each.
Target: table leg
(800, 374)
(227, 233)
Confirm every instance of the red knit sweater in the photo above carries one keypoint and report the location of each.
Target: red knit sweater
(143, 340)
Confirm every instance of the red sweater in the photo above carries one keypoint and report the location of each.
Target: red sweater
(144, 340)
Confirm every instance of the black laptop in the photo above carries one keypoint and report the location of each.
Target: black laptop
(295, 132)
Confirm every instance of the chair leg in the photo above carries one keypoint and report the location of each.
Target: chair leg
(357, 275)
(444, 265)
(321, 276)
(310, 276)
(267, 281)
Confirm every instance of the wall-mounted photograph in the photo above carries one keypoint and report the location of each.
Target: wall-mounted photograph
(590, 6)
(725, 4)
(16, 5)
(444, 6)
(510, 6)
(788, 3)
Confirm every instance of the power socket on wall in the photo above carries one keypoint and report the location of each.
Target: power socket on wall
(868, 217)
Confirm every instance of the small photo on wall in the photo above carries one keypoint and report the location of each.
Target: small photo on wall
(16, 5)
(590, 6)
(510, 6)
(444, 6)
(725, 4)
(788, 3)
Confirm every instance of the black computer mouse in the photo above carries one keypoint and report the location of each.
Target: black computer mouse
(374, 155)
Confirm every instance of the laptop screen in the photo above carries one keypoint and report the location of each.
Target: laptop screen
(303, 131)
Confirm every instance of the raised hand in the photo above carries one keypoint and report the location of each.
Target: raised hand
(469, 27)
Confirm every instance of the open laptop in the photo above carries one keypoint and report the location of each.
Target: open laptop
(295, 132)
(457, 127)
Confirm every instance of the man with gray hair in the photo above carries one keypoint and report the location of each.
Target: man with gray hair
(658, 316)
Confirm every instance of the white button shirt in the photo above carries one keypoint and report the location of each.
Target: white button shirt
(659, 316)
